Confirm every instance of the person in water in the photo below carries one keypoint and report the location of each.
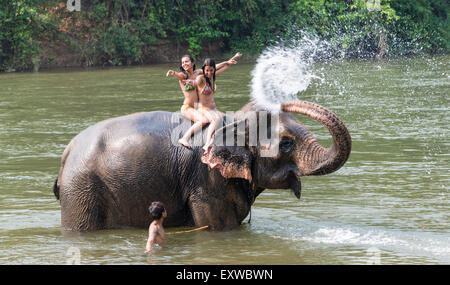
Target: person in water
(205, 86)
(156, 234)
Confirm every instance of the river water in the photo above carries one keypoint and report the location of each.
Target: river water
(389, 204)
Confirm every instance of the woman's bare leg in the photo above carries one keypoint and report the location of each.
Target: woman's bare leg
(215, 118)
(200, 121)
(192, 130)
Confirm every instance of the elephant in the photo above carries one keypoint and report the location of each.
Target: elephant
(113, 170)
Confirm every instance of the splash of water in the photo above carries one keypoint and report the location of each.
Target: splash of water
(284, 70)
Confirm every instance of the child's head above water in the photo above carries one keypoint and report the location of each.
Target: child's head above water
(157, 210)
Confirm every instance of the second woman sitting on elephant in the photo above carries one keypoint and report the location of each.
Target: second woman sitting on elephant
(205, 85)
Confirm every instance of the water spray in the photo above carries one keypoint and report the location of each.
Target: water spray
(284, 70)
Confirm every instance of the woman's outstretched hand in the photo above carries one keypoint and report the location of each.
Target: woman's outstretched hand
(170, 72)
(233, 59)
(236, 56)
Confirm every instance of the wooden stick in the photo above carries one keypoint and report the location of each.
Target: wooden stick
(188, 231)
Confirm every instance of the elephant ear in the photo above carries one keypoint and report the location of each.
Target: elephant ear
(229, 153)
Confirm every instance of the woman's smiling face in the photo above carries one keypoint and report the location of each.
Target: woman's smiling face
(186, 63)
(209, 71)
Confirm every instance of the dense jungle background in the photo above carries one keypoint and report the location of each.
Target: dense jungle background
(38, 34)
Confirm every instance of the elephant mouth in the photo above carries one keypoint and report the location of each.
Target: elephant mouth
(295, 185)
(286, 179)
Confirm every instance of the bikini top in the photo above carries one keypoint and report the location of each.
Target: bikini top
(207, 90)
(189, 85)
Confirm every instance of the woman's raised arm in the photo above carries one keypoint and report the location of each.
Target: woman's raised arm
(221, 67)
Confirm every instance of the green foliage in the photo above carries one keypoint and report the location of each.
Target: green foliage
(119, 44)
(118, 32)
(19, 33)
(423, 23)
(352, 28)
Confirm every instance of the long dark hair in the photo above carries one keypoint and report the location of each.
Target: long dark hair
(181, 67)
(209, 62)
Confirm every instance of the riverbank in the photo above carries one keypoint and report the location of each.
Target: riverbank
(61, 57)
(174, 62)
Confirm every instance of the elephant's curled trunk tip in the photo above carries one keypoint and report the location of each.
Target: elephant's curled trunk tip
(323, 161)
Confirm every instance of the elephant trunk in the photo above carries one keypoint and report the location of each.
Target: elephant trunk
(313, 158)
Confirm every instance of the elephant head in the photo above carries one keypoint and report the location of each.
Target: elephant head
(293, 150)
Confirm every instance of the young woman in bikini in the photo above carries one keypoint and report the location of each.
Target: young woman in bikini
(187, 79)
(206, 87)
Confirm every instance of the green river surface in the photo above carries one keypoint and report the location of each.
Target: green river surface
(389, 204)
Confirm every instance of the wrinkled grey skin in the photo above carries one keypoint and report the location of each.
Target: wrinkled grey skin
(112, 171)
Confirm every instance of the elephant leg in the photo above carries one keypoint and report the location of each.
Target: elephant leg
(85, 205)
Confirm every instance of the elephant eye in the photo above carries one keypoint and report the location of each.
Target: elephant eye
(286, 145)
